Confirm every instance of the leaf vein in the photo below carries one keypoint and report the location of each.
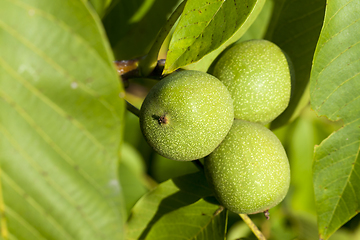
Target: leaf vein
(341, 147)
(47, 139)
(345, 81)
(62, 24)
(26, 224)
(57, 67)
(4, 231)
(308, 14)
(36, 205)
(336, 180)
(196, 37)
(52, 183)
(50, 103)
(332, 215)
(327, 42)
(336, 13)
(298, 35)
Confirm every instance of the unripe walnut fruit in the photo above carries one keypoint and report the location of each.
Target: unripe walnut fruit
(257, 75)
(249, 171)
(186, 115)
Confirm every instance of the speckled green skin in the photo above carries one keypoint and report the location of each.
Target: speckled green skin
(257, 76)
(199, 113)
(249, 171)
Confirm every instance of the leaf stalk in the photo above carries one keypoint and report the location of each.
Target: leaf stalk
(134, 110)
(252, 226)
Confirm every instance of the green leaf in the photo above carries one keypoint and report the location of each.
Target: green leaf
(205, 26)
(295, 28)
(172, 200)
(238, 230)
(61, 113)
(258, 28)
(132, 175)
(117, 22)
(200, 220)
(163, 168)
(207, 62)
(100, 6)
(335, 84)
(132, 26)
(302, 137)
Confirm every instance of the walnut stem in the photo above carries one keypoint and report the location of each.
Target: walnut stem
(134, 110)
(252, 226)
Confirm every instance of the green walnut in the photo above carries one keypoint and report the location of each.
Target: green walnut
(186, 115)
(249, 171)
(257, 75)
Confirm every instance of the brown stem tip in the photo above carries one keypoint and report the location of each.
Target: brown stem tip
(267, 214)
(163, 120)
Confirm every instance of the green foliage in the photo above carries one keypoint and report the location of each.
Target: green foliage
(205, 26)
(163, 168)
(175, 210)
(258, 28)
(100, 6)
(60, 124)
(136, 21)
(295, 28)
(204, 64)
(208, 222)
(73, 164)
(334, 93)
(131, 174)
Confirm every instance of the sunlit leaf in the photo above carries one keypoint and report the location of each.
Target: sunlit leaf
(61, 112)
(205, 26)
(174, 199)
(295, 28)
(199, 221)
(335, 93)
